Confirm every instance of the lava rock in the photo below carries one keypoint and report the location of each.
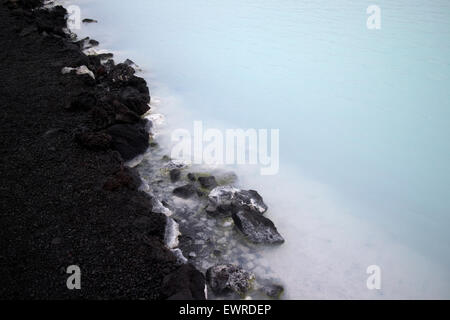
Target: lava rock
(87, 20)
(130, 140)
(185, 192)
(123, 114)
(186, 283)
(93, 43)
(84, 101)
(105, 56)
(208, 182)
(175, 175)
(52, 20)
(121, 73)
(103, 115)
(257, 228)
(227, 278)
(135, 100)
(226, 200)
(273, 291)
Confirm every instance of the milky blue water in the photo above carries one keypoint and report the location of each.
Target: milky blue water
(364, 119)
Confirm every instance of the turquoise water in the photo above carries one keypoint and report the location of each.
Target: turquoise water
(364, 119)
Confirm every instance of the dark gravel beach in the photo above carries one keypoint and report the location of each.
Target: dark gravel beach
(66, 196)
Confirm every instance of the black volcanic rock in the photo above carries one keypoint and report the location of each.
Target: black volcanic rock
(175, 174)
(208, 182)
(135, 100)
(186, 191)
(130, 140)
(226, 200)
(257, 228)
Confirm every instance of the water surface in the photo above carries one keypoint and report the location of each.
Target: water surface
(364, 119)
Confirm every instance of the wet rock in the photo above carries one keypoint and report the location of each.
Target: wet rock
(93, 43)
(105, 56)
(257, 228)
(208, 182)
(228, 278)
(273, 291)
(191, 177)
(175, 175)
(129, 62)
(185, 192)
(225, 200)
(130, 140)
(94, 140)
(174, 164)
(87, 20)
(186, 283)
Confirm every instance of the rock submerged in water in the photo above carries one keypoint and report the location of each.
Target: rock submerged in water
(273, 291)
(175, 175)
(88, 20)
(227, 278)
(185, 192)
(208, 182)
(257, 228)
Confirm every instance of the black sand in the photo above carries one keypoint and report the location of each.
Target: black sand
(60, 202)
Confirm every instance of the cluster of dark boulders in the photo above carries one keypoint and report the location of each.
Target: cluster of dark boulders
(247, 209)
(197, 185)
(116, 105)
(50, 21)
(116, 98)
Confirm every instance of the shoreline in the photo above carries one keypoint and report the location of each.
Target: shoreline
(68, 197)
(111, 102)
